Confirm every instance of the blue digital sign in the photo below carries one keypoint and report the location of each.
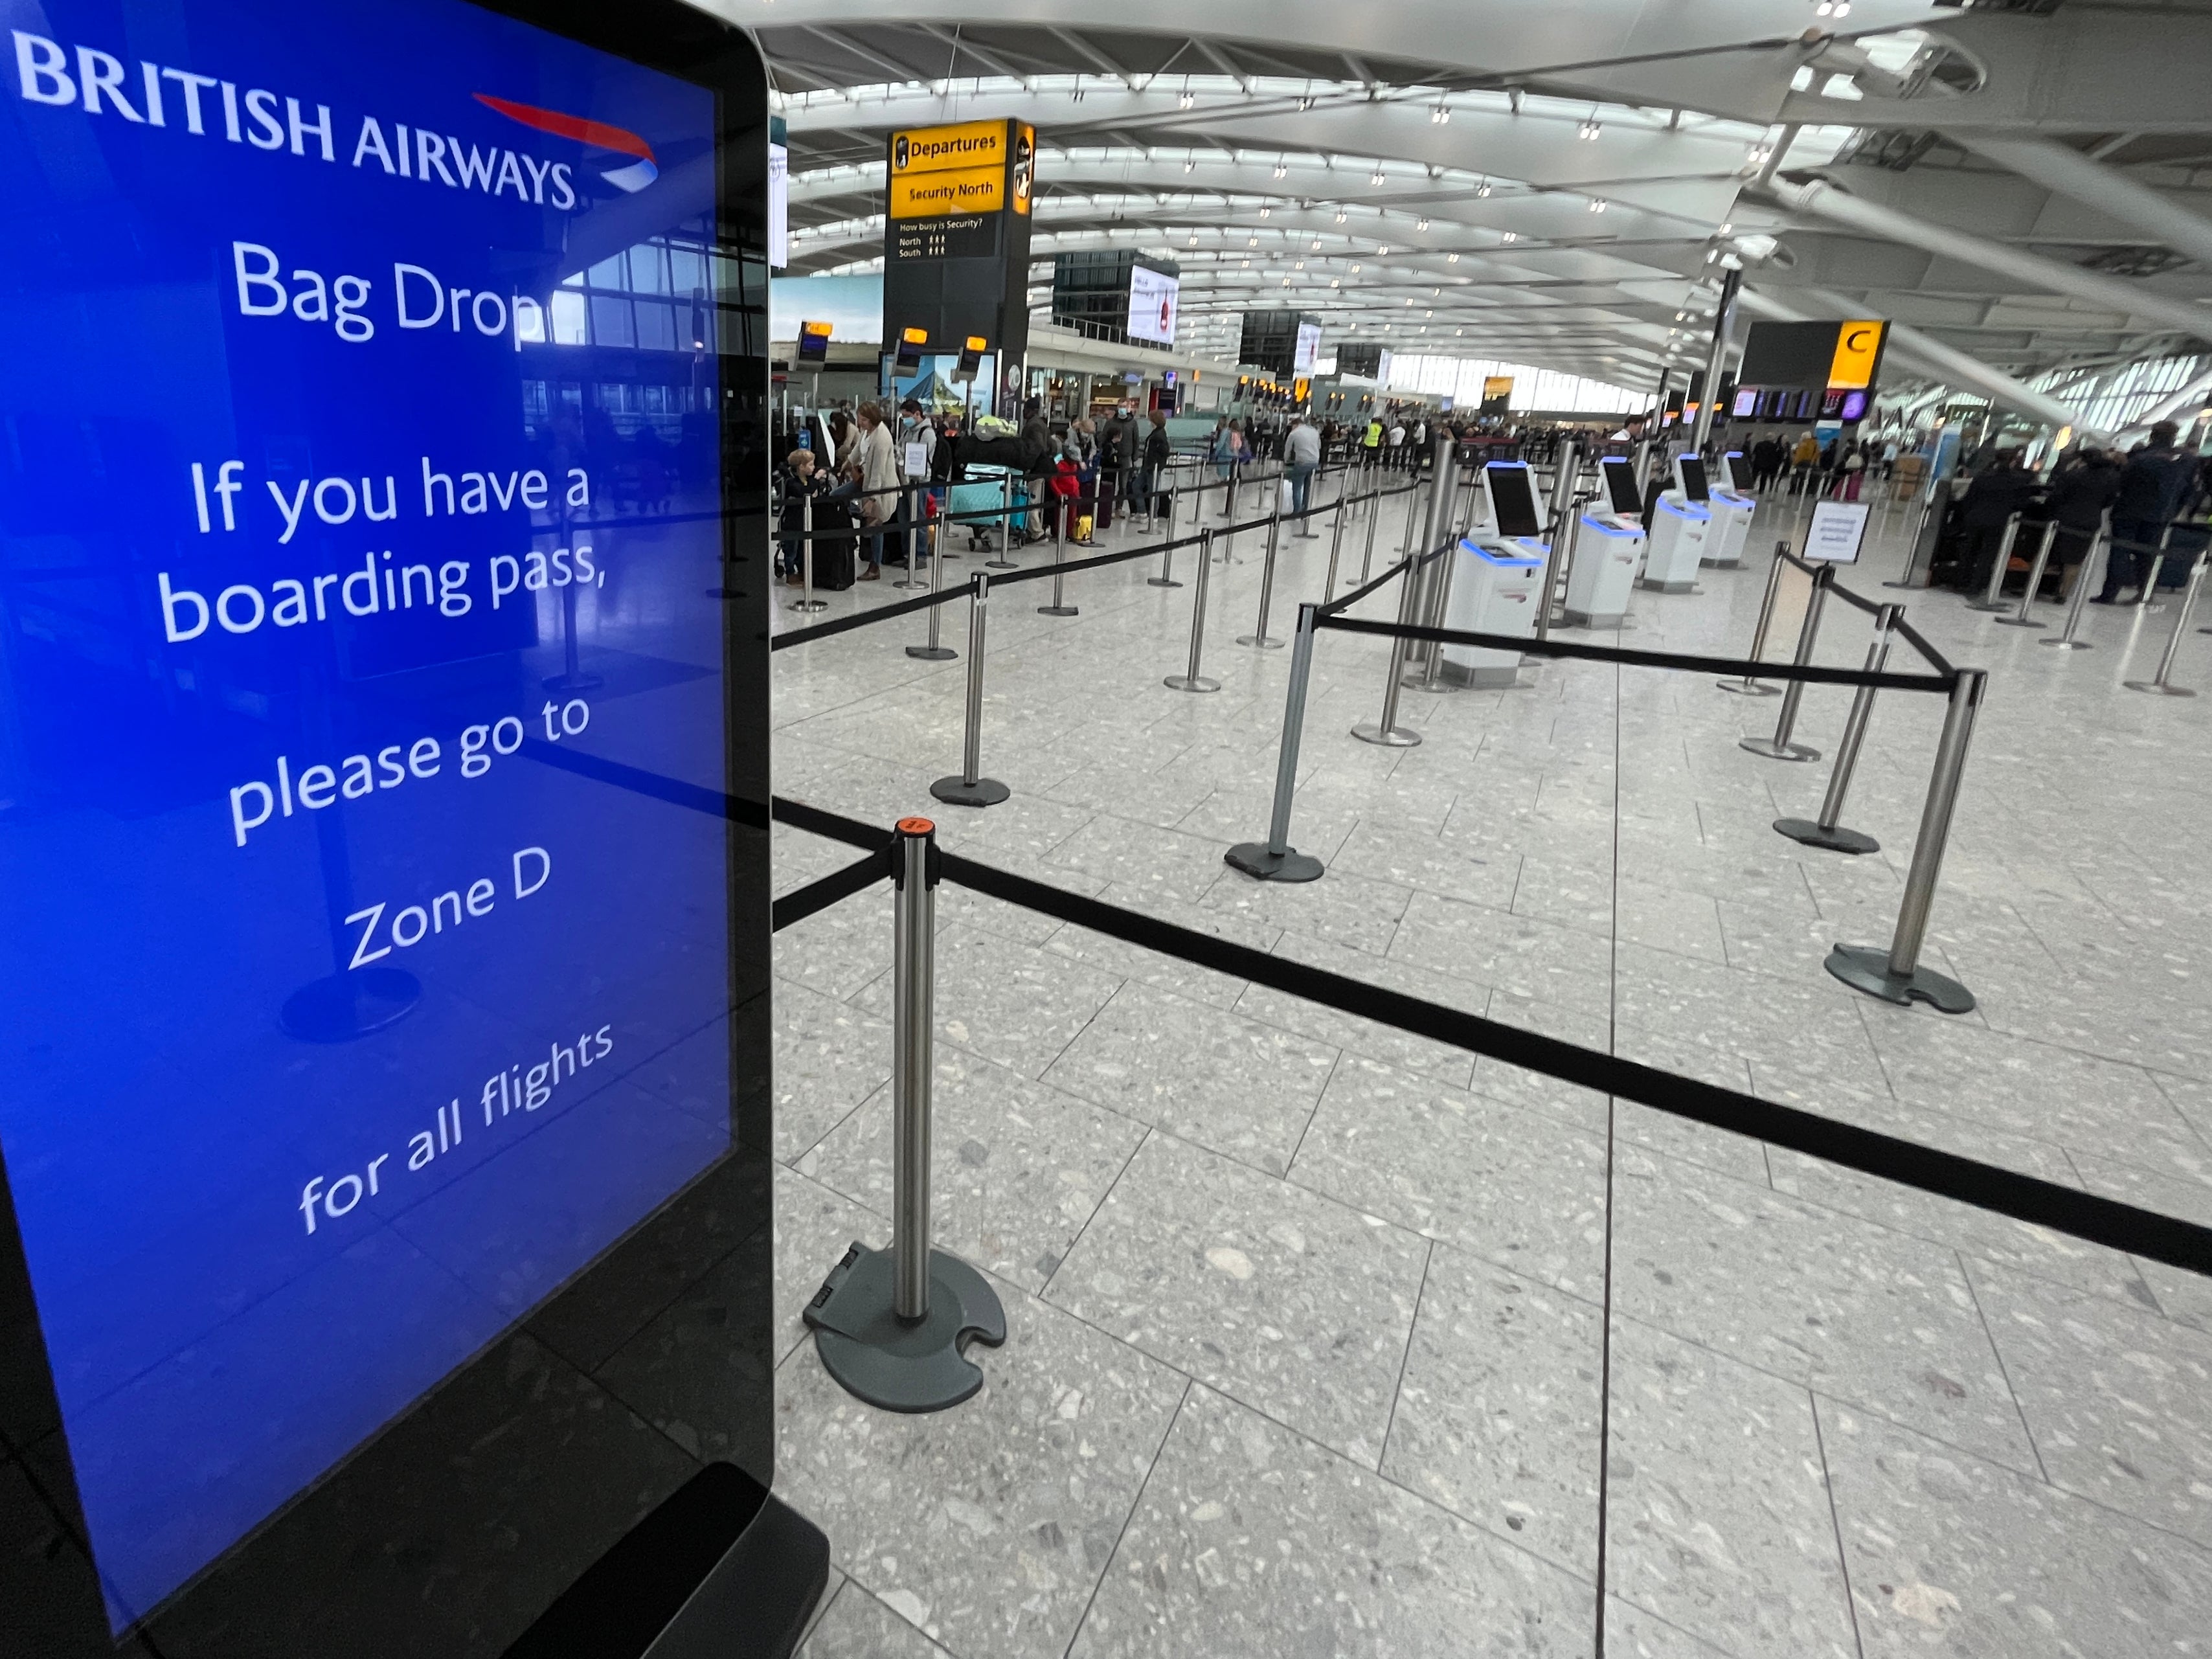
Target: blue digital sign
(359, 489)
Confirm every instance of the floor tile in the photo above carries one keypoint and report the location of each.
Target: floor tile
(1008, 1002)
(986, 1526)
(1529, 958)
(1236, 1086)
(1950, 1554)
(1516, 1189)
(1364, 1036)
(858, 1626)
(829, 1057)
(1497, 1416)
(1016, 1168)
(1296, 1305)
(1249, 1540)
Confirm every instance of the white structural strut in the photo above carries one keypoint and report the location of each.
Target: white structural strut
(1825, 200)
(2062, 168)
(1931, 355)
(2166, 407)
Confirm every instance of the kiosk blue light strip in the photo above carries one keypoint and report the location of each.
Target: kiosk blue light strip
(340, 1032)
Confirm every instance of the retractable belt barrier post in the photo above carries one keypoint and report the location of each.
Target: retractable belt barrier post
(2161, 684)
(1387, 731)
(1275, 859)
(1006, 526)
(1748, 686)
(1166, 578)
(1827, 831)
(1895, 975)
(1373, 512)
(1335, 543)
(1258, 639)
(2034, 580)
(892, 1325)
(908, 496)
(2084, 576)
(1779, 747)
(1991, 600)
(971, 788)
(806, 601)
(1059, 607)
(1193, 680)
(935, 651)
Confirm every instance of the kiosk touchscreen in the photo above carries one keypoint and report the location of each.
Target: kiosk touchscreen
(1609, 549)
(1680, 522)
(1732, 508)
(1514, 513)
(383, 797)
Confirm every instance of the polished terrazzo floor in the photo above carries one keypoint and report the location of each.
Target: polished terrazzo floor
(1308, 1317)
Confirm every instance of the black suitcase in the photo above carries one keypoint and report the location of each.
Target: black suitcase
(833, 546)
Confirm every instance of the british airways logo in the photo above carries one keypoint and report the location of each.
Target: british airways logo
(641, 171)
(149, 94)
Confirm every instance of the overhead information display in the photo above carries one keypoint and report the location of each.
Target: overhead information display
(368, 708)
(957, 233)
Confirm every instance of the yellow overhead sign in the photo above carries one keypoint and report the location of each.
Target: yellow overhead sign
(940, 195)
(1858, 345)
(939, 149)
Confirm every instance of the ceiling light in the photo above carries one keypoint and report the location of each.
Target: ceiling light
(1483, 189)
(1355, 271)
(1193, 239)
(1185, 99)
(1334, 282)
(1382, 252)
(1315, 246)
(1597, 205)
(1341, 216)
(1440, 114)
(1306, 102)
(1300, 265)
(1251, 241)
(1281, 170)
(1726, 228)
(1588, 130)
(1267, 213)
(1451, 258)
(1512, 236)
(1189, 166)
(1377, 178)
(1422, 224)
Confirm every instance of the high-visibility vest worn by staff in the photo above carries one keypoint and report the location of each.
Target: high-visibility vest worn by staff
(1374, 437)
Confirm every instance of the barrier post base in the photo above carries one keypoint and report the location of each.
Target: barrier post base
(2069, 645)
(1058, 610)
(931, 652)
(1866, 968)
(1396, 737)
(1162, 581)
(1837, 839)
(1749, 688)
(1261, 641)
(2162, 691)
(957, 791)
(892, 1363)
(1190, 682)
(1254, 858)
(1773, 750)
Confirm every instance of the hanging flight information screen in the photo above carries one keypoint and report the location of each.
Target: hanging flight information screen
(382, 643)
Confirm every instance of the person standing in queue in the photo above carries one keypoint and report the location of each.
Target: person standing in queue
(1301, 458)
(1159, 452)
(879, 481)
(2080, 492)
(2152, 485)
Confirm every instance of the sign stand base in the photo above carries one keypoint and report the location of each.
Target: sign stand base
(888, 1362)
(344, 1006)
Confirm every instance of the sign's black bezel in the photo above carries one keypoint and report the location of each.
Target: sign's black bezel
(265, 1596)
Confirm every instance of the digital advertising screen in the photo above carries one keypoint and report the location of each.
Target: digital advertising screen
(377, 671)
(1153, 297)
(1308, 350)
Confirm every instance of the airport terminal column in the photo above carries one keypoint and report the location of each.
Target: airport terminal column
(1895, 975)
(1276, 859)
(891, 1326)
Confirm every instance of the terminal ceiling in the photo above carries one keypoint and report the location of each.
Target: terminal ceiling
(1558, 182)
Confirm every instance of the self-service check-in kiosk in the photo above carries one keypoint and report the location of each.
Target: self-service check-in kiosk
(1502, 568)
(1609, 550)
(1680, 522)
(1731, 506)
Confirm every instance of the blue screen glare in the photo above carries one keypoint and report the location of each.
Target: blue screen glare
(358, 504)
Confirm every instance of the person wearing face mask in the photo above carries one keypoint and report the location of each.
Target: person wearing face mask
(1117, 462)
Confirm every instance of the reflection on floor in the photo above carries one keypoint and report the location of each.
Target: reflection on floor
(1307, 1316)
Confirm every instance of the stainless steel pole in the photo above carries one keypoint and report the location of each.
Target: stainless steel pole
(1336, 547)
(2076, 602)
(1193, 680)
(1258, 638)
(1827, 831)
(1374, 512)
(971, 788)
(1778, 747)
(2034, 580)
(1277, 859)
(908, 497)
(914, 950)
(1989, 601)
(1428, 610)
(807, 601)
(2162, 685)
(1005, 525)
(2157, 569)
(1166, 578)
(1896, 974)
(1059, 607)
(1748, 686)
(935, 651)
(1387, 731)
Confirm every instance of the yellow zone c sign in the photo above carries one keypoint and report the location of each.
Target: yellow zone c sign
(940, 195)
(1858, 345)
